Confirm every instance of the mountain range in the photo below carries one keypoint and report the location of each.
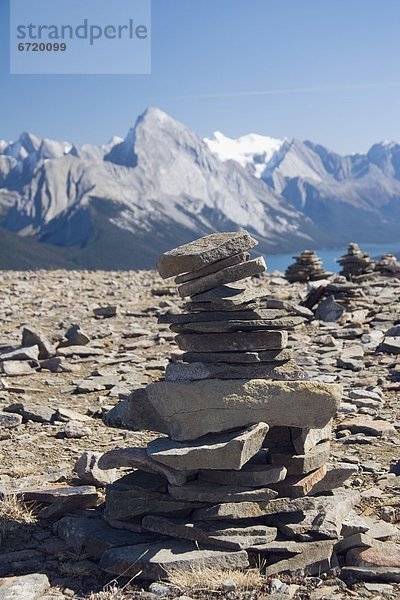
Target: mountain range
(121, 204)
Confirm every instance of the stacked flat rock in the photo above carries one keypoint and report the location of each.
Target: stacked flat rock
(246, 437)
(388, 265)
(356, 265)
(307, 267)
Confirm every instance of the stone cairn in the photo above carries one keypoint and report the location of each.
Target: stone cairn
(356, 265)
(241, 472)
(388, 266)
(307, 267)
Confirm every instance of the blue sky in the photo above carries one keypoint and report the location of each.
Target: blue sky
(325, 70)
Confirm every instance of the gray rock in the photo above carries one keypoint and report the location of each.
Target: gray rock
(202, 252)
(105, 312)
(266, 356)
(296, 486)
(391, 574)
(189, 410)
(329, 310)
(32, 412)
(94, 536)
(288, 371)
(251, 475)
(81, 351)
(77, 430)
(233, 324)
(75, 337)
(390, 345)
(228, 450)
(139, 494)
(305, 438)
(88, 471)
(226, 297)
(216, 315)
(237, 341)
(314, 560)
(137, 458)
(251, 510)
(16, 367)
(29, 353)
(222, 535)
(227, 275)
(24, 587)
(302, 463)
(202, 491)
(34, 337)
(335, 477)
(155, 561)
(9, 420)
(213, 267)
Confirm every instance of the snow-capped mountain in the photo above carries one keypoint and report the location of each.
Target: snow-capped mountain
(120, 204)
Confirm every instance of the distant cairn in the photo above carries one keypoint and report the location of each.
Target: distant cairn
(307, 267)
(356, 264)
(388, 265)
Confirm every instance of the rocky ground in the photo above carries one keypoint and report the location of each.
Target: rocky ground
(54, 410)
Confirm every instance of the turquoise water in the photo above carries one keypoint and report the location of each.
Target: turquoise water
(279, 262)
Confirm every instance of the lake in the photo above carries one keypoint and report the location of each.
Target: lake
(279, 262)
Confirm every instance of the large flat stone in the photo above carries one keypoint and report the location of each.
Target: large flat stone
(288, 371)
(189, 410)
(227, 275)
(155, 561)
(207, 316)
(302, 463)
(296, 486)
(137, 458)
(213, 267)
(199, 253)
(228, 450)
(252, 510)
(222, 535)
(24, 587)
(226, 297)
(262, 356)
(237, 341)
(334, 477)
(313, 560)
(94, 536)
(234, 324)
(251, 475)
(390, 574)
(139, 494)
(202, 491)
(305, 438)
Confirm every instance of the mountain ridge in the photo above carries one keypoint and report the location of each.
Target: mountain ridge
(162, 185)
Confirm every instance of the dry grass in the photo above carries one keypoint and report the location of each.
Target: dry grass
(13, 514)
(209, 578)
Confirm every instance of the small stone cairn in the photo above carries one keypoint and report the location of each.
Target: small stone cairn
(388, 266)
(356, 265)
(242, 471)
(307, 267)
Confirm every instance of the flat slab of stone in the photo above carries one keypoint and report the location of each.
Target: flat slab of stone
(314, 560)
(213, 267)
(189, 410)
(202, 491)
(222, 535)
(207, 316)
(234, 324)
(254, 510)
(24, 587)
(94, 536)
(226, 297)
(237, 341)
(199, 253)
(304, 439)
(179, 371)
(388, 574)
(296, 486)
(34, 337)
(137, 458)
(227, 275)
(155, 561)
(368, 426)
(302, 463)
(229, 450)
(262, 356)
(251, 475)
(335, 477)
(138, 494)
(28, 353)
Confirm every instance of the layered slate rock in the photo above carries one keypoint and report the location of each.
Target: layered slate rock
(246, 434)
(202, 252)
(307, 267)
(356, 265)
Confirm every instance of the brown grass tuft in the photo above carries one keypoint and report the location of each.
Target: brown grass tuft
(13, 514)
(209, 578)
